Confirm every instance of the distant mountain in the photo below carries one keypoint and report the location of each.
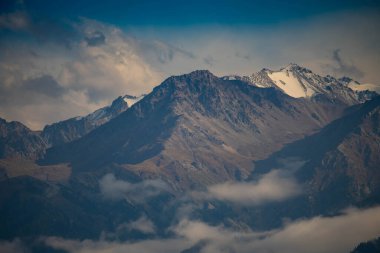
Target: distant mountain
(339, 164)
(74, 128)
(191, 132)
(197, 129)
(18, 141)
(372, 246)
(297, 81)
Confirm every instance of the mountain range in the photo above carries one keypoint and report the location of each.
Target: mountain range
(182, 143)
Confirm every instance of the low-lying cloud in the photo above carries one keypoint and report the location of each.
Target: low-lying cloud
(146, 246)
(317, 235)
(273, 186)
(142, 225)
(324, 234)
(339, 234)
(114, 189)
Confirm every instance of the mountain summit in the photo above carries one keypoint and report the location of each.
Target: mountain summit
(198, 142)
(300, 82)
(197, 129)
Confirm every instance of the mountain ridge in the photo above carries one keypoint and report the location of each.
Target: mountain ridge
(74, 128)
(298, 81)
(172, 150)
(343, 161)
(194, 112)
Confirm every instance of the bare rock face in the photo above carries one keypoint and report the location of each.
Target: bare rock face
(16, 140)
(341, 162)
(74, 128)
(190, 132)
(197, 129)
(297, 81)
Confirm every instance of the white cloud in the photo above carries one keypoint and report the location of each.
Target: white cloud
(143, 224)
(114, 189)
(319, 234)
(113, 67)
(325, 234)
(91, 76)
(338, 234)
(243, 49)
(273, 186)
(147, 246)
(96, 62)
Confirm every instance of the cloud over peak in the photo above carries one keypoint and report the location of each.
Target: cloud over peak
(54, 77)
(115, 189)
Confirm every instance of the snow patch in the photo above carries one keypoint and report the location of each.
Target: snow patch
(286, 81)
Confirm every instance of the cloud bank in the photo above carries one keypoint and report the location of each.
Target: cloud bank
(339, 234)
(114, 189)
(319, 234)
(143, 224)
(272, 187)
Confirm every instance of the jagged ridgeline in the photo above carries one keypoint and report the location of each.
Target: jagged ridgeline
(147, 155)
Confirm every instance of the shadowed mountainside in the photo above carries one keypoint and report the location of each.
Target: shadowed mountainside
(197, 129)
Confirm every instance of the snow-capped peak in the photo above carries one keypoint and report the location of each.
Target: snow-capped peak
(290, 81)
(299, 82)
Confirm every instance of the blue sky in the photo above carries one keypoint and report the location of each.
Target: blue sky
(175, 13)
(60, 59)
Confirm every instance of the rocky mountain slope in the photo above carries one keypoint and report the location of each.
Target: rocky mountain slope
(297, 81)
(20, 147)
(197, 129)
(339, 164)
(16, 140)
(74, 128)
(104, 173)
